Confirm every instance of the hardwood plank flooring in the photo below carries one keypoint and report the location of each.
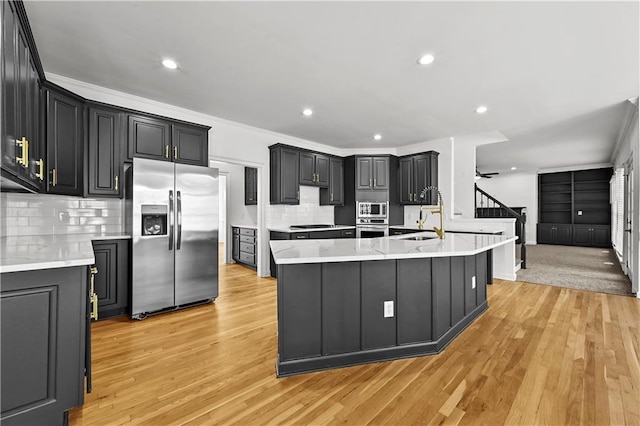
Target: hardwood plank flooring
(540, 355)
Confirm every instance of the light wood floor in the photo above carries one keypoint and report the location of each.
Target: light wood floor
(539, 355)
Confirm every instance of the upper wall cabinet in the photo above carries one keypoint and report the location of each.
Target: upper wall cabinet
(65, 142)
(314, 169)
(22, 141)
(158, 139)
(105, 159)
(334, 194)
(284, 168)
(372, 173)
(250, 186)
(417, 172)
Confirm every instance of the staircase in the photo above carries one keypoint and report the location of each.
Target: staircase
(487, 206)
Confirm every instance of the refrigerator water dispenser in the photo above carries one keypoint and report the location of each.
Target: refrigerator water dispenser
(154, 219)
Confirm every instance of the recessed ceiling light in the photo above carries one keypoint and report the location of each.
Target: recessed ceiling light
(307, 112)
(514, 168)
(481, 109)
(426, 59)
(169, 63)
(377, 137)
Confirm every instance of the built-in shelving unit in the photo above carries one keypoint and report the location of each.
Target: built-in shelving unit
(574, 208)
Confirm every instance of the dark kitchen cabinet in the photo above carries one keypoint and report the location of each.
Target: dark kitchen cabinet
(43, 335)
(417, 172)
(22, 143)
(334, 194)
(149, 138)
(105, 159)
(372, 173)
(284, 165)
(314, 169)
(65, 142)
(378, 287)
(554, 234)
(592, 235)
(190, 145)
(112, 280)
(250, 186)
(245, 243)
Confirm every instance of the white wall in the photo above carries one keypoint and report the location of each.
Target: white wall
(517, 190)
(628, 147)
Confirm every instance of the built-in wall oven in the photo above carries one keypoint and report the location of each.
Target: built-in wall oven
(372, 220)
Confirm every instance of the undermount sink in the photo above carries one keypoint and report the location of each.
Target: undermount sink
(418, 238)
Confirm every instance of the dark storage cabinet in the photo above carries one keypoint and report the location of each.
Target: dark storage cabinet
(284, 166)
(417, 172)
(372, 173)
(149, 138)
(314, 169)
(250, 186)
(574, 208)
(105, 159)
(42, 344)
(245, 246)
(65, 142)
(23, 153)
(334, 195)
(190, 145)
(112, 281)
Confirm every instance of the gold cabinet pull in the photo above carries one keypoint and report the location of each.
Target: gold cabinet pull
(370, 186)
(298, 195)
(24, 157)
(54, 177)
(93, 297)
(40, 173)
(374, 182)
(175, 152)
(166, 151)
(116, 182)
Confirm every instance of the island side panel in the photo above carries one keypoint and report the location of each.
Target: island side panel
(441, 287)
(340, 307)
(378, 284)
(469, 291)
(299, 311)
(483, 277)
(414, 300)
(457, 289)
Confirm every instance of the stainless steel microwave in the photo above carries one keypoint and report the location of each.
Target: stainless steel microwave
(372, 209)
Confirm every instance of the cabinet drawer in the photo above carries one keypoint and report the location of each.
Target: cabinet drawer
(248, 258)
(247, 248)
(249, 240)
(247, 231)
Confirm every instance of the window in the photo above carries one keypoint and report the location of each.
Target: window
(617, 210)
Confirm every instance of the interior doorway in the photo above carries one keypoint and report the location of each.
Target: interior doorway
(222, 225)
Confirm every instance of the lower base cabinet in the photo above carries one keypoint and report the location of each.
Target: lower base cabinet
(576, 235)
(43, 337)
(113, 277)
(244, 248)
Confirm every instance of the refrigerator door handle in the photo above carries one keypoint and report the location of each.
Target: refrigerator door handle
(170, 219)
(179, 240)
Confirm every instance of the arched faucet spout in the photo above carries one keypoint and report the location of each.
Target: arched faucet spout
(439, 209)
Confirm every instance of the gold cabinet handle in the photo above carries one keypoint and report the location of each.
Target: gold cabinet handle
(175, 152)
(92, 295)
(54, 177)
(166, 151)
(116, 182)
(370, 186)
(374, 182)
(298, 195)
(24, 157)
(331, 198)
(40, 173)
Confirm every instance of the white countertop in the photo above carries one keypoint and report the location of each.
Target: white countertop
(33, 252)
(396, 247)
(285, 228)
(244, 226)
(454, 227)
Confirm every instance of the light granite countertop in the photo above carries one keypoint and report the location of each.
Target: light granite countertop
(395, 247)
(454, 227)
(244, 226)
(285, 228)
(33, 252)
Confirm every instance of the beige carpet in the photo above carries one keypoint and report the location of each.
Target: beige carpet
(584, 268)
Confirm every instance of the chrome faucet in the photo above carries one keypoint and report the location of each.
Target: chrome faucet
(439, 209)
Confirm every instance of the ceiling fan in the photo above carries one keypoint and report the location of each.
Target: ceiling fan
(486, 175)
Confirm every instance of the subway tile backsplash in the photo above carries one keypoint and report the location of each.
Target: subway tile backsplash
(30, 214)
(309, 211)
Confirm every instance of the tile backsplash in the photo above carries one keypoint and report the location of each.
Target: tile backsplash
(31, 214)
(309, 210)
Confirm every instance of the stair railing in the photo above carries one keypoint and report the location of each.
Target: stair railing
(490, 207)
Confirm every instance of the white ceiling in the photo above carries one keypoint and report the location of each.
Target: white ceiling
(555, 75)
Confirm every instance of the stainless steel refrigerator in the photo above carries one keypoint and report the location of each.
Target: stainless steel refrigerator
(172, 214)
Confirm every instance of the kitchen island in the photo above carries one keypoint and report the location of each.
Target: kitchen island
(351, 301)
